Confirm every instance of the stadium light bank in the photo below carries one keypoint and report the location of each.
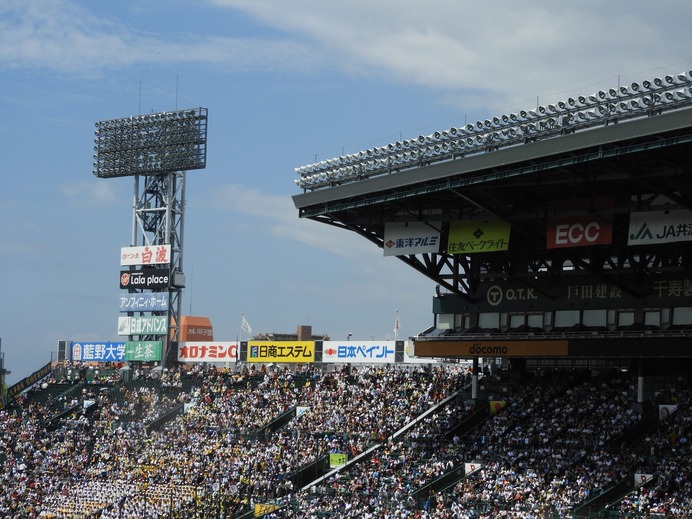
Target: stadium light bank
(644, 99)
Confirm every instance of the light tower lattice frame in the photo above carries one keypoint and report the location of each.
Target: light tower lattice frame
(158, 215)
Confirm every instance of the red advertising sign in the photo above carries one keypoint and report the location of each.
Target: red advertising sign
(578, 231)
(207, 351)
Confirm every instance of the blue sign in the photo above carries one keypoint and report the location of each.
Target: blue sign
(98, 351)
(144, 302)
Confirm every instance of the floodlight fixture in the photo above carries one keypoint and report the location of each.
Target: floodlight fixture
(486, 135)
(151, 144)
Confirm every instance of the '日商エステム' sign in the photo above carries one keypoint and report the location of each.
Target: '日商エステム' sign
(281, 351)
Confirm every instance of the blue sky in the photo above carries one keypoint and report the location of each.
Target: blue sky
(285, 82)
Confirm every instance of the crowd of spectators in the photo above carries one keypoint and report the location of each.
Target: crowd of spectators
(547, 450)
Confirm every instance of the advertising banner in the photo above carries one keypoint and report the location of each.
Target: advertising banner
(496, 405)
(150, 279)
(654, 227)
(664, 410)
(149, 325)
(364, 352)
(337, 460)
(476, 236)
(207, 351)
(261, 509)
(578, 232)
(15, 389)
(97, 351)
(470, 349)
(281, 351)
(401, 238)
(143, 351)
(145, 255)
(641, 479)
(665, 289)
(470, 468)
(145, 302)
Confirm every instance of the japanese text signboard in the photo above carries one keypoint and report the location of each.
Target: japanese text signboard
(401, 238)
(207, 351)
(475, 236)
(143, 351)
(150, 325)
(367, 352)
(97, 351)
(144, 302)
(145, 255)
(281, 351)
(660, 290)
(653, 227)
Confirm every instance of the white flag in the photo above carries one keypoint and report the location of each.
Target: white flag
(396, 325)
(244, 325)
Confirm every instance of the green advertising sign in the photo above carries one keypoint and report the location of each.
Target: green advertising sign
(143, 351)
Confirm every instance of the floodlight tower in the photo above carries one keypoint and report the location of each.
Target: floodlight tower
(156, 149)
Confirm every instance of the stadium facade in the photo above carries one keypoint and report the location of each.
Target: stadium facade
(556, 235)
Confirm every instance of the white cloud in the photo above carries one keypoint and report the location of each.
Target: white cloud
(497, 53)
(278, 216)
(63, 37)
(91, 193)
(505, 49)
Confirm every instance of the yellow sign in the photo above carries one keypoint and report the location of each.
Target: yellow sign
(264, 508)
(280, 351)
(475, 236)
(496, 405)
(337, 460)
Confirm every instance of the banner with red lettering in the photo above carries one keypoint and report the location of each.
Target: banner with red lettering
(207, 351)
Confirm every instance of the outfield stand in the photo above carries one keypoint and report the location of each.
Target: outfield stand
(554, 444)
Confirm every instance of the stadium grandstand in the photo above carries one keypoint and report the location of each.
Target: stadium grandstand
(559, 240)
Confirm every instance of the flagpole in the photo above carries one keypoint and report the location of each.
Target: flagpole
(396, 326)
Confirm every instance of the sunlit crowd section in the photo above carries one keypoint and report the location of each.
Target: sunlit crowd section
(344, 441)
